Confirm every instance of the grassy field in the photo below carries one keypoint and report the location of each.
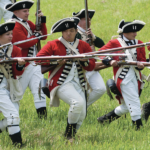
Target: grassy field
(119, 135)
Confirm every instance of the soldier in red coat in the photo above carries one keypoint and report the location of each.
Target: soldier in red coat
(67, 81)
(25, 29)
(146, 106)
(128, 79)
(94, 78)
(10, 89)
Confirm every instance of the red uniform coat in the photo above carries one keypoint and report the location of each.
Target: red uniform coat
(141, 56)
(57, 48)
(16, 52)
(20, 33)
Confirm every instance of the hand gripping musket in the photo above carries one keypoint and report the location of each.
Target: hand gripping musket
(38, 24)
(100, 65)
(87, 23)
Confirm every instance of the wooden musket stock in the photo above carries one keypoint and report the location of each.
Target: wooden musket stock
(45, 69)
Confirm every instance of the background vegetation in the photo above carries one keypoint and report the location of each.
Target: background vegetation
(120, 135)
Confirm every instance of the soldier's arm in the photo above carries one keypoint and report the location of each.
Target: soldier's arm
(98, 42)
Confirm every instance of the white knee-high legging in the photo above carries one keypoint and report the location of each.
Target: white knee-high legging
(97, 84)
(72, 94)
(131, 100)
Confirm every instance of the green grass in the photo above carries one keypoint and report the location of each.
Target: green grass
(119, 135)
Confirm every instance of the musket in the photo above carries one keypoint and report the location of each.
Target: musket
(87, 23)
(119, 49)
(100, 65)
(47, 68)
(38, 23)
(5, 59)
(90, 53)
(23, 41)
(51, 58)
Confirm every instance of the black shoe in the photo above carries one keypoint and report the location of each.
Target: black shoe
(0, 131)
(111, 116)
(16, 139)
(42, 112)
(70, 131)
(146, 111)
(137, 123)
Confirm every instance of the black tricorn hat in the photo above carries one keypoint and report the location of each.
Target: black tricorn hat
(65, 24)
(134, 26)
(81, 14)
(7, 26)
(24, 4)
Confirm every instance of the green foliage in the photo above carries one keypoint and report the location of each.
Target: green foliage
(120, 135)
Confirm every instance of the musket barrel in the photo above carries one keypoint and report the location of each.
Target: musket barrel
(116, 49)
(87, 23)
(86, 14)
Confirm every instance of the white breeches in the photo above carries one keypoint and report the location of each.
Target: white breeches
(4, 13)
(97, 84)
(72, 94)
(131, 100)
(9, 110)
(31, 78)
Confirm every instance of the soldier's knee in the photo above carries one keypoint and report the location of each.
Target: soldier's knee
(13, 120)
(121, 110)
(77, 106)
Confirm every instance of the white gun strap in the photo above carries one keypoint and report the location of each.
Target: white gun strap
(69, 46)
(23, 24)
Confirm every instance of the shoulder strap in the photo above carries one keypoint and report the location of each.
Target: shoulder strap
(123, 44)
(83, 35)
(23, 24)
(53, 73)
(9, 52)
(130, 57)
(10, 49)
(131, 52)
(73, 48)
(4, 71)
